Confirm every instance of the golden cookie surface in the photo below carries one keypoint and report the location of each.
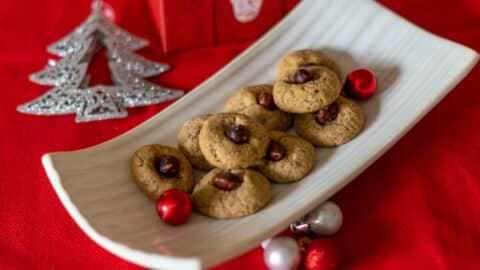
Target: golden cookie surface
(252, 195)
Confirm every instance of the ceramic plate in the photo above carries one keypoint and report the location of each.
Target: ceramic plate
(415, 69)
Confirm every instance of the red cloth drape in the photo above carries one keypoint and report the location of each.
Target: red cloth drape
(417, 207)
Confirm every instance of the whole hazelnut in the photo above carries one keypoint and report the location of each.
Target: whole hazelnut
(327, 114)
(167, 165)
(276, 151)
(266, 100)
(302, 76)
(227, 181)
(239, 134)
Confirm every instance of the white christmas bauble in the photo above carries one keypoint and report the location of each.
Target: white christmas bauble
(282, 253)
(326, 219)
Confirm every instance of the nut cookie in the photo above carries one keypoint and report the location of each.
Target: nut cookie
(188, 142)
(229, 194)
(331, 126)
(304, 58)
(156, 168)
(289, 158)
(306, 90)
(257, 103)
(232, 141)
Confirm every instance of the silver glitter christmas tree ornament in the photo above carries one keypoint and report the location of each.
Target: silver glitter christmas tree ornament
(99, 103)
(68, 76)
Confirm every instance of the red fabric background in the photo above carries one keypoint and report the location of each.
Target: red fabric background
(175, 29)
(415, 208)
(188, 24)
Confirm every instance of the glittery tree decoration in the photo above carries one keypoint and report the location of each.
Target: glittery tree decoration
(71, 93)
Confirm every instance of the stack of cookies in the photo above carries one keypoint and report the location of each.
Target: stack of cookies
(246, 147)
(309, 85)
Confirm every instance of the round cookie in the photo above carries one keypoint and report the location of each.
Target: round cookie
(151, 182)
(222, 152)
(310, 96)
(188, 142)
(348, 123)
(245, 101)
(250, 196)
(304, 58)
(297, 162)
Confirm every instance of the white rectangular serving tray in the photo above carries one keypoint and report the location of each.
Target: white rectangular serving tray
(415, 69)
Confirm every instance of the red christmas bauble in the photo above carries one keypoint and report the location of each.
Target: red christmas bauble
(321, 254)
(174, 206)
(361, 84)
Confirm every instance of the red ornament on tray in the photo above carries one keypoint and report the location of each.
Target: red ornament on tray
(361, 84)
(174, 206)
(321, 254)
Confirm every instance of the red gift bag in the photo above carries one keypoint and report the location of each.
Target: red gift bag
(190, 24)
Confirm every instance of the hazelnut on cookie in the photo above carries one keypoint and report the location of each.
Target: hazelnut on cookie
(333, 125)
(303, 58)
(232, 141)
(306, 89)
(156, 168)
(231, 193)
(257, 103)
(289, 158)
